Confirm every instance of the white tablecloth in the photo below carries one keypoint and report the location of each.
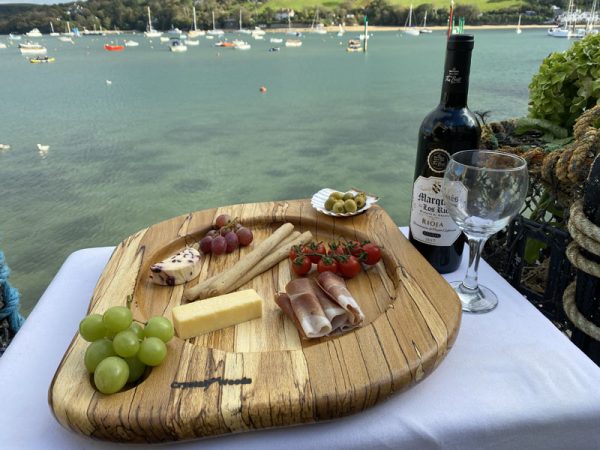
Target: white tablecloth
(512, 381)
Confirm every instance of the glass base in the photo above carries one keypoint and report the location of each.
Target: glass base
(477, 301)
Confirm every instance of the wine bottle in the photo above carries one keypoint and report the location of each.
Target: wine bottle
(449, 128)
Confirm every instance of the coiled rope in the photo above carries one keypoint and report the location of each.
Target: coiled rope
(10, 297)
(585, 235)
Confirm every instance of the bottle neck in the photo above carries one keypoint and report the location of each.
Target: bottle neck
(455, 86)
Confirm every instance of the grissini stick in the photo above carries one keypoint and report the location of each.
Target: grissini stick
(218, 284)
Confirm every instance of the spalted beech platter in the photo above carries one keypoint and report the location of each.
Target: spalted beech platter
(260, 374)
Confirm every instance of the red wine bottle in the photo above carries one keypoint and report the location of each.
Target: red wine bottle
(447, 129)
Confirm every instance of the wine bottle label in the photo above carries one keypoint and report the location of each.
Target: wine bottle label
(429, 219)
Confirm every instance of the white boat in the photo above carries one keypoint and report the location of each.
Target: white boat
(340, 33)
(424, 28)
(175, 32)
(409, 29)
(364, 36)
(276, 40)
(242, 29)
(94, 32)
(192, 42)
(52, 32)
(293, 43)
(568, 28)
(34, 33)
(30, 48)
(43, 147)
(316, 26)
(130, 43)
(210, 37)
(164, 39)
(215, 31)
(177, 46)
(241, 45)
(65, 39)
(291, 32)
(2, 45)
(14, 37)
(151, 32)
(4, 147)
(258, 37)
(258, 31)
(518, 30)
(195, 32)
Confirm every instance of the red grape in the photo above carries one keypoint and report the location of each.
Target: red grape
(232, 242)
(212, 233)
(218, 245)
(222, 220)
(205, 244)
(244, 236)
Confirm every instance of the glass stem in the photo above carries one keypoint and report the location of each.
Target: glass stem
(475, 248)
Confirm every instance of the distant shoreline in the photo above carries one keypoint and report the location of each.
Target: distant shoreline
(356, 28)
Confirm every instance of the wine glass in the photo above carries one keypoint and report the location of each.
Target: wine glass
(482, 191)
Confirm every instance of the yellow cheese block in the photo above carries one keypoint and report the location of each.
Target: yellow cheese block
(203, 316)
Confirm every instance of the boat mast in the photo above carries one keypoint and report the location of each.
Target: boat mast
(51, 27)
(194, 12)
(213, 17)
(425, 20)
(410, 16)
(149, 20)
(240, 19)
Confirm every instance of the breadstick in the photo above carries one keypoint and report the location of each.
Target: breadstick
(219, 284)
(280, 253)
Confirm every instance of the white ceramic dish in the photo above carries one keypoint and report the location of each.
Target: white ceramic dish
(318, 202)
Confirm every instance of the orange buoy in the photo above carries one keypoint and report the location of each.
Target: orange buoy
(263, 89)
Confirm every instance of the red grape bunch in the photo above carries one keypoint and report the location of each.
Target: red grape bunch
(226, 236)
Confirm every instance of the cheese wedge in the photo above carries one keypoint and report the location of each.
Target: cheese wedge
(194, 319)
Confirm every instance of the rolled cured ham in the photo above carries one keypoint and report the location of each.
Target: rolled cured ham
(307, 308)
(320, 308)
(335, 287)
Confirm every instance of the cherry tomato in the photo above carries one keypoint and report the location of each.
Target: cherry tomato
(353, 248)
(327, 264)
(348, 266)
(294, 252)
(301, 265)
(314, 251)
(371, 253)
(336, 248)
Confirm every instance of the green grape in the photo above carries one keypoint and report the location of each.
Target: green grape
(137, 329)
(136, 369)
(152, 351)
(96, 352)
(111, 375)
(91, 328)
(126, 343)
(159, 327)
(117, 318)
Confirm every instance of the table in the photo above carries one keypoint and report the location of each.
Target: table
(512, 381)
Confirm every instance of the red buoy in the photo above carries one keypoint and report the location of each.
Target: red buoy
(263, 89)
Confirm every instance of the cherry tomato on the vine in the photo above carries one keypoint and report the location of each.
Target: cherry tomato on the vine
(295, 251)
(327, 264)
(301, 265)
(336, 248)
(314, 250)
(371, 254)
(353, 248)
(348, 266)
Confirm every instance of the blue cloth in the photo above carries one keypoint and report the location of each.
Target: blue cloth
(11, 299)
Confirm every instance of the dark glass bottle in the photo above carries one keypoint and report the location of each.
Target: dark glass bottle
(449, 128)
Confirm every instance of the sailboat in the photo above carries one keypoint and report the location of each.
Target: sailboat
(317, 27)
(214, 31)
(518, 30)
(424, 29)
(567, 29)
(341, 32)
(195, 32)
(291, 32)
(592, 19)
(52, 32)
(151, 32)
(68, 35)
(242, 30)
(408, 26)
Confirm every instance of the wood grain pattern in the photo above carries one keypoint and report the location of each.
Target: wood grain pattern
(260, 374)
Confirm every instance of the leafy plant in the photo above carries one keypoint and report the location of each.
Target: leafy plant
(567, 83)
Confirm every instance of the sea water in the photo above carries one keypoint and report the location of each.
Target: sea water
(139, 136)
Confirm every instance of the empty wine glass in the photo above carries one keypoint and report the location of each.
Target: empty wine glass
(482, 191)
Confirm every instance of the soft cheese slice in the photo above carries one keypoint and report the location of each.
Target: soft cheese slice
(179, 268)
(194, 319)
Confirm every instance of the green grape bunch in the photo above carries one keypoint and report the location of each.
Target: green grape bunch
(120, 349)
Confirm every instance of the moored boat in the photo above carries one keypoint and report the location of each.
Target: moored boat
(293, 43)
(177, 46)
(30, 48)
(42, 59)
(14, 37)
(215, 31)
(34, 33)
(130, 43)
(151, 32)
(192, 42)
(195, 32)
(409, 29)
(276, 40)
(114, 47)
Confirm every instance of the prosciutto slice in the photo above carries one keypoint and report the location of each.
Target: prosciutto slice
(320, 308)
(307, 308)
(335, 287)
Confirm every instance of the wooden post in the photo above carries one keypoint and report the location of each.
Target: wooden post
(366, 39)
(587, 295)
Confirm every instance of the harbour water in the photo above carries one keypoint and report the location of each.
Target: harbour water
(139, 136)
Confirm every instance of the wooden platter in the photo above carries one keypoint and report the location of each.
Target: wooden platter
(260, 374)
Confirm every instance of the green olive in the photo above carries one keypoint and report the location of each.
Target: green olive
(338, 207)
(350, 205)
(360, 200)
(348, 196)
(329, 203)
(336, 195)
